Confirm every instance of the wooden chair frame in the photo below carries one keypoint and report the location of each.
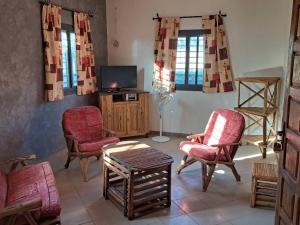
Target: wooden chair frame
(207, 175)
(24, 209)
(73, 152)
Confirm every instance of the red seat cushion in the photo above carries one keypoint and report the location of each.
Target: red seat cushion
(31, 182)
(196, 150)
(97, 144)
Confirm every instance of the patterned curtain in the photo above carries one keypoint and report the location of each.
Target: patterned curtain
(51, 21)
(217, 70)
(165, 53)
(87, 83)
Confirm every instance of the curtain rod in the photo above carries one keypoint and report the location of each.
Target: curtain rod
(185, 17)
(47, 2)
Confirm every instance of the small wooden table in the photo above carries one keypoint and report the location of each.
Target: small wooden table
(137, 178)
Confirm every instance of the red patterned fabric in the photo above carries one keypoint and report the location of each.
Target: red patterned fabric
(86, 69)
(217, 70)
(86, 124)
(31, 182)
(97, 144)
(51, 21)
(165, 53)
(224, 126)
(3, 189)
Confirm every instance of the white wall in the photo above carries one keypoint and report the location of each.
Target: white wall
(258, 38)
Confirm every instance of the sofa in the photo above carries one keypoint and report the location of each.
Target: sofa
(28, 195)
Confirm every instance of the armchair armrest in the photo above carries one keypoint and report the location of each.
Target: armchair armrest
(109, 133)
(196, 137)
(225, 144)
(21, 208)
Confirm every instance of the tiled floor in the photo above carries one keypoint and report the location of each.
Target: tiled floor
(225, 203)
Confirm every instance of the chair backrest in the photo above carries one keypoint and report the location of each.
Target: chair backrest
(224, 126)
(84, 122)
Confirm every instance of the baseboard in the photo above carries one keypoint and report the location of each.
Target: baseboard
(170, 134)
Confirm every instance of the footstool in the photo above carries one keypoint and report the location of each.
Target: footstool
(264, 184)
(137, 178)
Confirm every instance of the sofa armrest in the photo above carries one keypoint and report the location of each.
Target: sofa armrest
(21, 208)
(109, 133)
(20, 160)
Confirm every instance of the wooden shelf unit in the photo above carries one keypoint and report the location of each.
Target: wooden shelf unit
(126, 118)
(264, 116)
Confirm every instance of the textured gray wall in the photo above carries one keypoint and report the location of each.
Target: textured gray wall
(27, 123)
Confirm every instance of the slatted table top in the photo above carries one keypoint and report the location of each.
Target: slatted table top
(136, 156)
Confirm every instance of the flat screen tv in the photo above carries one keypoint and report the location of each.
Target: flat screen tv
(115, 78)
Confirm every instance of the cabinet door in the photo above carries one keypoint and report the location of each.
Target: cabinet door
(144, 113)
(132, 114)
(119, 119)
(106, 108)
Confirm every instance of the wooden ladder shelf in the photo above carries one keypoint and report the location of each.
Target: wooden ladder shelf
(263, 114)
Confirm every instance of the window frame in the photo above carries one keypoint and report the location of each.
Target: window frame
(186, 86)
(70, 90)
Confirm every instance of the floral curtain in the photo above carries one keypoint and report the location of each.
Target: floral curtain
(51, 22)
(217, 70)
(86, 70)
(165, 53)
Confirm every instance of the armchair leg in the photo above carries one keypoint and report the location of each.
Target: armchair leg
(68, 162)
(182, 163)
(204, 173)
(208, 177)
(84, 164)
(235, 173)
(185, 162)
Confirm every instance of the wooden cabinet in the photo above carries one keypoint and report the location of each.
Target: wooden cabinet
(119, 119)
(126, 118)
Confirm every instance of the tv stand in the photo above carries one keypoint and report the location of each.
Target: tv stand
(126, 117)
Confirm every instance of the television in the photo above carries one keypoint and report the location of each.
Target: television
(115, 78)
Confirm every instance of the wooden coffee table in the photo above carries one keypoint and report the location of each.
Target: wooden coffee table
(137, 178)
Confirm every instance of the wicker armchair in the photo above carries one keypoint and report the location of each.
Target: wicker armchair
(85, 135)
(217, 145)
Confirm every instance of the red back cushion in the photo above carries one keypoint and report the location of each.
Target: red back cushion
(3, 189)
(224, 126)
(83, 122)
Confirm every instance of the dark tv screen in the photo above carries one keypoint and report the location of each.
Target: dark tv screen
(118, 77)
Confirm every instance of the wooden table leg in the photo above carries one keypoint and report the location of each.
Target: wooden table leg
(125, 189)
(169, 185)
(130, 212)
(106, 180)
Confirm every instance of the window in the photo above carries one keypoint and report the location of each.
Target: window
(189, 60)
(69, 66)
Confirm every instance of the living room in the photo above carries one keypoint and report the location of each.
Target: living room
(108, 59)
